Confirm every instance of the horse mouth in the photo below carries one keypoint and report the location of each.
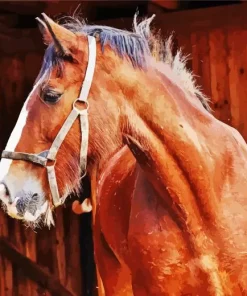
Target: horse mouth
(32, 217)
(27, 215)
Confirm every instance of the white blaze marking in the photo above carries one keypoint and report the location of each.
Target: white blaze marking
(3, 194)
(14, 140)
(16, 134)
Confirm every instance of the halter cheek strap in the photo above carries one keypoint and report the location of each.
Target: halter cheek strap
(50, 155)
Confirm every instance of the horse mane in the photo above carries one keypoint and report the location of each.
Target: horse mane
(137, 46)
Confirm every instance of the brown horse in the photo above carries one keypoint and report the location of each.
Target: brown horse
(181, 230)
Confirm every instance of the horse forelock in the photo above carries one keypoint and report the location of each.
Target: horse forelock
(50, 60)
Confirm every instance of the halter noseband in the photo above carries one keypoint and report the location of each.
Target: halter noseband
(47, 156)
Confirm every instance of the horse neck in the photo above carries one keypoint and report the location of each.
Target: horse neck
(158, 102)
(163, 128)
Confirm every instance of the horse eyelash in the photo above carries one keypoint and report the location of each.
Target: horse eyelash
(46, 88)
(50, 92)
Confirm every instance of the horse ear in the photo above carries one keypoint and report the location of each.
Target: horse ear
(64, 40)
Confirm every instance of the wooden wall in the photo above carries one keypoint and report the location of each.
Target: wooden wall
(56, 251)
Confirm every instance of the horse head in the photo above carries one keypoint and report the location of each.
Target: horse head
(50, 149)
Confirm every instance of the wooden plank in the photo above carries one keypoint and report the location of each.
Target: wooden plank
(60, 246)
(18, 241)
(201, 60)
(219, 75)
(6, 271)
(184, 43)
(122, 23)
(200, 19)
(17, 41)
(8, 20)
(67, 7)
(167, 4)
(12, 92)
(30, 253)
(32, 270)
(45, 254)
(237, 64)
(73, 252)
(58, 264)
(18, 7)
(101, 290)
(32, 66)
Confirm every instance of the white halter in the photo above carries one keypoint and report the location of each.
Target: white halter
(50, 155)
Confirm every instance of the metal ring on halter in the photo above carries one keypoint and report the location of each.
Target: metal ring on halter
(81, 111)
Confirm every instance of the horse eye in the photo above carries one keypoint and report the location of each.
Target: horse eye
(51, 97)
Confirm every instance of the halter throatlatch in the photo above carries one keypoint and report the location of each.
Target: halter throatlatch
(49, 156)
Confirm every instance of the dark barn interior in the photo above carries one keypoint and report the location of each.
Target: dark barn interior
(47, 262)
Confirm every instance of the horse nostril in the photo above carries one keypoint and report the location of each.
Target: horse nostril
(35, 196)
(7, 190)
(21, 207)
